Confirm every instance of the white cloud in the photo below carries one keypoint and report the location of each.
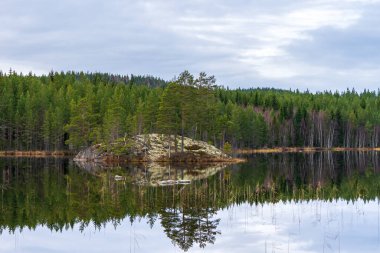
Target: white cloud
(265, 37)
(240, 42)
(257, 42)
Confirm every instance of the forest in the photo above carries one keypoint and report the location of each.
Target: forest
(72, 110)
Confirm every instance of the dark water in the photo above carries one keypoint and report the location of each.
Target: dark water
(321, 202)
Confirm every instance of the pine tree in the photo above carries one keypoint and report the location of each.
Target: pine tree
(81, 124)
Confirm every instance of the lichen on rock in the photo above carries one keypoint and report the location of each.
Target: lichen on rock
(153, 148)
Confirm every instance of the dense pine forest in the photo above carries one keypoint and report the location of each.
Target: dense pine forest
(62, 111)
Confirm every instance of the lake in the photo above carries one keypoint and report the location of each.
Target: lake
(292, 202)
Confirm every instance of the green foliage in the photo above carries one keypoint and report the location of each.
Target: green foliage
(73, 110)
(227, 147)
(81, 125)
(121, 146)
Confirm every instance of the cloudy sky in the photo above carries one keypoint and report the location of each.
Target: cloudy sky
(316, 44)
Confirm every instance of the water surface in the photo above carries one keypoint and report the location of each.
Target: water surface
(321, 202)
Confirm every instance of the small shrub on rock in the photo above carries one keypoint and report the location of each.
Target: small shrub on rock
(193, 147)
(227, 147)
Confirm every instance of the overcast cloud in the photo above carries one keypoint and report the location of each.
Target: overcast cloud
(314, 44)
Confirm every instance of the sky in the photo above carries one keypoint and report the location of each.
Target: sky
(317, 45)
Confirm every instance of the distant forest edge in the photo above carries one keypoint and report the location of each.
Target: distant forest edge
(69, 111)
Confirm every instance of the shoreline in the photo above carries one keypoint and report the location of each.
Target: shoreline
(35, 153)
(43, 153)
(204, 160)
(301, 150)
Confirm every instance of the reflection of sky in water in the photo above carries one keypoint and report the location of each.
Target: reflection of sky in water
(314, 226)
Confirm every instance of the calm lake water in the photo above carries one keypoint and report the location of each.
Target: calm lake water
(321, 202)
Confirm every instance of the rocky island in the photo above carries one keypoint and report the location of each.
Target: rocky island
(154, 148)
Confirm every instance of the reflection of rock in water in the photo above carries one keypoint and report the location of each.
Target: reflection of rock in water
(156, 174)
(91, 167)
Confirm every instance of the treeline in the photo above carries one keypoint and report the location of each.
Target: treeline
(73, 110)
(69, 110)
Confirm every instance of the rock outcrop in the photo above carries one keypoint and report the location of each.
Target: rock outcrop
(153, 148)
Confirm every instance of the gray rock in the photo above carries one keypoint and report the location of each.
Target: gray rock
(152, 148)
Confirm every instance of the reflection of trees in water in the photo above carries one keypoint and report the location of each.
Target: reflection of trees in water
(189, 225)
(58, 195)
(322, 175)
(61, 196)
